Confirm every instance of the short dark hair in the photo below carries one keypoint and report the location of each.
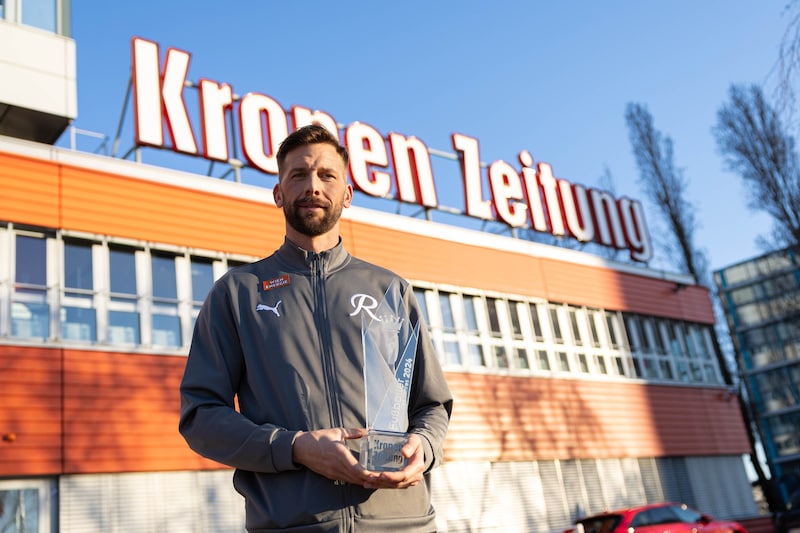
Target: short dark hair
(312, 134)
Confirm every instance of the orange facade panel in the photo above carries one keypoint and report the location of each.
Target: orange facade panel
(505, 418)
(94, 411)
(30, 191)
(441, 261)
(121, 413)
(30, 419)
(99, 202)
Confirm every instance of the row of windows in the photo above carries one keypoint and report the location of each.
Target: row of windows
(756, 269)
(476, 331)
(771, 344)
(779, 388)
(80, 290)
(65, 288)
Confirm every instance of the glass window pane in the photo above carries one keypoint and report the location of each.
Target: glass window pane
(30, 320)
(494, 322)
(39, 13)
(556, 325)
(123, 327)
(522, 358)
(537, 326)
(593, 317)
(542, 361)
(166, 330)
(203, 279)
(78, 323)
(583, 362)
(419, 294)
(476, 355)
(576, 330)
(516, 326)
(447, 311)
(469, 312)
(123, 271)
(31, 260)
(452, 355)
(611, 322)
(164, 280)
(78, 266)
(563, 361)
(19, 510)
(500, 357)
(600, 363)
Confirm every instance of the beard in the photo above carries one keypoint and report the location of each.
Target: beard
(310, 224)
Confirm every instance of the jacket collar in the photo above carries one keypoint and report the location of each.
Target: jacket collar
(301, 259)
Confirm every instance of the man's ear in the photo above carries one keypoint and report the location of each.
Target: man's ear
(277, 196)
(348, 195)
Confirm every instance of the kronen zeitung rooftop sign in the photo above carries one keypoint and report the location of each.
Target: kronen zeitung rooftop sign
(395, 166)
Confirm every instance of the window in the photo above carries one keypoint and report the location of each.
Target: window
(203, 279)
(472, 331)
(542, 360)
(30, 311)
(452, 352)
(39, 13)
(166, 323)
(595, 318)
(535, 322)
(78, 315)
(577, 336)
(419, 294)
(613, 329)
(123, 313)
(25, 505)
(555, 325)
(521, 358)
(563, 361)
(448, 324)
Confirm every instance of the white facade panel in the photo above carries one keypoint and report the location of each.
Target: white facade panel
(43, 68)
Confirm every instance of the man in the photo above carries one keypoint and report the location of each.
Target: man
(283, 336)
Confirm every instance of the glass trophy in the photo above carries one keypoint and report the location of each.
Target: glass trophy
(390, 345)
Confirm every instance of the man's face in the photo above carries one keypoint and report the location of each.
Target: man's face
(313, 189)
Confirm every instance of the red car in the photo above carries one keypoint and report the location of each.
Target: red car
(655, 518)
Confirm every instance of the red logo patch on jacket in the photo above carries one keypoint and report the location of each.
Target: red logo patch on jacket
(268, 285)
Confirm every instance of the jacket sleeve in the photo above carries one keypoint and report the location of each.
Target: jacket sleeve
(209, 420)
(431, 402)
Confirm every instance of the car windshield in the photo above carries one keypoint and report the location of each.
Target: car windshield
(689, 516)
(654, 516)
(598, 524)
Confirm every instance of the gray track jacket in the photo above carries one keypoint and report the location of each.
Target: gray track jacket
(284, 334)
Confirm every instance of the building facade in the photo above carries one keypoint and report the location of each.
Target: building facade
(580, 384)
(761, 299)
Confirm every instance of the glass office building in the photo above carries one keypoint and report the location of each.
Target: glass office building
(761, 299)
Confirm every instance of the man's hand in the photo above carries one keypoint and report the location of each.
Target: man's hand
(325, 451)
(410, 476)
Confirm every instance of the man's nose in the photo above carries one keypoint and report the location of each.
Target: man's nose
(313, 184)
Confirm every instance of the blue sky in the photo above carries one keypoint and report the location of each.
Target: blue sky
(549, 77)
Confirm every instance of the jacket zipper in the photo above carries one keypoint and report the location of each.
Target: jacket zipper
(318, 276)
(323, 329)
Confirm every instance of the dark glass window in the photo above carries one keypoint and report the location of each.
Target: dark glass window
(78, 318)
(30, 312)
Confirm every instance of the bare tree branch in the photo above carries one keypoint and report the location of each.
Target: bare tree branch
(665, 186)
(755, 145)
